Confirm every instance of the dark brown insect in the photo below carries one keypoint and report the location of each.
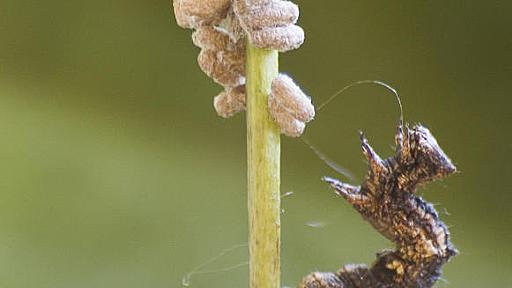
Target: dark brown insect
(386, 199)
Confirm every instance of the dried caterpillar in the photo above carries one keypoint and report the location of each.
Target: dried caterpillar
(221, 28)
(387, 200)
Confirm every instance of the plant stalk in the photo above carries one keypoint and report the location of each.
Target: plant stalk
(263, 158)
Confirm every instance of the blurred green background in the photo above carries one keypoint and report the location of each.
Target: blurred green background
(116, 172)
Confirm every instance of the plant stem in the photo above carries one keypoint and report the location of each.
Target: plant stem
(263, 158)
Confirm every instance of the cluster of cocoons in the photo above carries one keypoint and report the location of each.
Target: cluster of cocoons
(222, 28)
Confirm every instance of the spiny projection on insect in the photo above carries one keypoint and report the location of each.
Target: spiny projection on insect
(387, 200)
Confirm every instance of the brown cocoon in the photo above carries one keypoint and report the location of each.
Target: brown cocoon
(209, 37)
(183, 20)
(225, 67)
(230, 102)
(289, 96)
(283, 38)
(289, 126)
(193, 13)
(274, 14)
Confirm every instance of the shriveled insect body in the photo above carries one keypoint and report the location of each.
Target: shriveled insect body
(387, 200)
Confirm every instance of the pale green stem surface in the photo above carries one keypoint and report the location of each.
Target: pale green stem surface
(263, 158)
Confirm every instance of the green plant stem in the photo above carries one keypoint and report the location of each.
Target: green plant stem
(263, 157)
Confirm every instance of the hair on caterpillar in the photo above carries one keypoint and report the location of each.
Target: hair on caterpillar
(341, 170)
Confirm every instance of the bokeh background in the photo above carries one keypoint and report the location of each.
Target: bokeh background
(116, 172)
